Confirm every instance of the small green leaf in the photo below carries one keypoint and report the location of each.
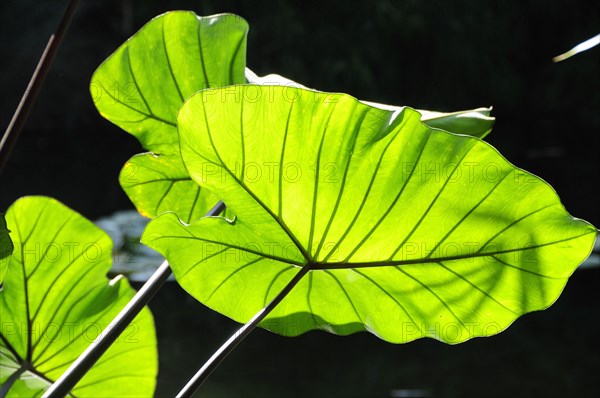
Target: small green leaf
(406, 231)
(158, 184)
(141, 87)
(6, 247)
(56, 300)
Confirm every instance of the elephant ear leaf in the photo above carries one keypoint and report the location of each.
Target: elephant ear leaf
(399, 229)
(6, 247)
(56, 300)
(141, 87)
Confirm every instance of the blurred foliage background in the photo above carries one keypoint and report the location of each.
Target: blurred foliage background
(439, 55)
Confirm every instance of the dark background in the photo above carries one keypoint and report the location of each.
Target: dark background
(440, 55)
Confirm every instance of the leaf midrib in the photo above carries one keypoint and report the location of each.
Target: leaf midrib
(391, 263)
(317, 266)
(27, 366)
(147, 115)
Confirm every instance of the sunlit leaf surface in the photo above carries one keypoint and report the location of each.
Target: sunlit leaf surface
(141, 87)
(56, 300)
(406, 231)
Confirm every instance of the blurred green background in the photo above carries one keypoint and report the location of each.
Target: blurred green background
(440, 55)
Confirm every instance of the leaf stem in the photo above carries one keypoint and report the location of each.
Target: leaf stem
(35, 83)
(209, 366)
(90, 356)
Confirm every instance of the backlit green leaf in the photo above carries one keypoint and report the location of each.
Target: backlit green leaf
(143, 84)
(56, 300)
(161, 183)
(406, 231)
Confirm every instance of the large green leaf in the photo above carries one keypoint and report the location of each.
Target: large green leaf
(406, 231)
(6, 247)
(142, 85)
(56, 300)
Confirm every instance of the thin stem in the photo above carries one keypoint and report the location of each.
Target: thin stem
(35, 83)
(225, 349)
(90, 356)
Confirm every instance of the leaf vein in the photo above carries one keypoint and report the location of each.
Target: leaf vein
(488, 295)
(164, 42)
(388, 295)
(355, 131)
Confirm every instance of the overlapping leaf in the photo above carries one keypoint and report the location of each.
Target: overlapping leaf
(144, 83)
(406, 231)
(56, 300)
(476, 122)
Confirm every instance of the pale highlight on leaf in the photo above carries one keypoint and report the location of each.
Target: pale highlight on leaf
(583, 46)
(474, 122)
(56, 300)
